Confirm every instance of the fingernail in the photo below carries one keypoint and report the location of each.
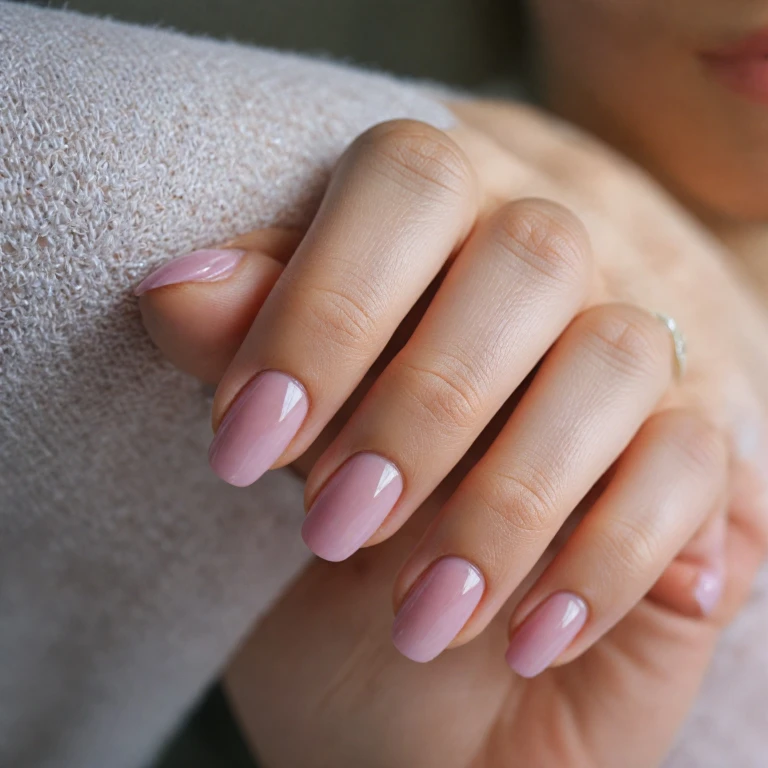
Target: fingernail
(709, 589)
(257, 428)
(197, 267)
(546, 633)
(437, 608)
(351, 506)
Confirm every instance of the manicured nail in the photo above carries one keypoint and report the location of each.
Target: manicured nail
(437, 608)
(709, 589)
(351, 506)
(257, 428)
(546, 633)
(197, 267)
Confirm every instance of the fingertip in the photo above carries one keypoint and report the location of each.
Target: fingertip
(199, 325)
(689, 589)
(203, 266)
(546, 633)
(709, 589)
(437, 608)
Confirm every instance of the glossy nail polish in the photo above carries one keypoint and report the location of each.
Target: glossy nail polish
(352, 505)
(709, 589)
(546, 633)
(197, 267)
(258, 427)
(437, 608)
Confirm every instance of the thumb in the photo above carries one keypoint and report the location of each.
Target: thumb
(198, 307)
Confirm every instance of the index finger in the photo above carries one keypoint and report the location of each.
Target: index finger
(400, 202)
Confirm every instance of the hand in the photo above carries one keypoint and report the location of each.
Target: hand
(403, 200)
(319, 684)
(313, 661)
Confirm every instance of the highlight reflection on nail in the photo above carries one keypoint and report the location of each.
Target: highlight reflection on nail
(205, 266)
(258, 427)
(709, 589)
(437, 608)
(352, 505)
(546, 633)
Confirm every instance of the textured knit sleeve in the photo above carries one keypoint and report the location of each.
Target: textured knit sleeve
(127, 571)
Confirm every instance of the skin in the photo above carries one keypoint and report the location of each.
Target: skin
(631, 73)
(639, 650)
(324, 614)
(321, 665)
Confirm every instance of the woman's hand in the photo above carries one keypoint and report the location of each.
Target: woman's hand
(319, 684)
(405, 201)
(641, 519)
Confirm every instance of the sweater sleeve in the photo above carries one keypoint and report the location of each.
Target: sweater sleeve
(128, 573)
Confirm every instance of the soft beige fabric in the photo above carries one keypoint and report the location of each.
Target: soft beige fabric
(127, 572)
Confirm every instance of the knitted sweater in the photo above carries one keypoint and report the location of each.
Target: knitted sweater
(128, 573)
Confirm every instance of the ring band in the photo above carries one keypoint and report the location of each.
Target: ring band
(681, 348)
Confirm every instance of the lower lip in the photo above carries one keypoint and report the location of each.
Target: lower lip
(747, 76)
(743, 66)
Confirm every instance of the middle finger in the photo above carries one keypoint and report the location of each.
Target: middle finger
(517, 283)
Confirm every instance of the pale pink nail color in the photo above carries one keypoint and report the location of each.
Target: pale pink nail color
(437, 608)
(196, 267)
(257, 428)
(709, 589)
(351, 506)
(546, 633)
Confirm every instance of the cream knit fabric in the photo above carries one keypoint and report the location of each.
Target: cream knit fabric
(127, 571)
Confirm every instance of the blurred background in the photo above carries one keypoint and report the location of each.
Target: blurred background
(468, 43)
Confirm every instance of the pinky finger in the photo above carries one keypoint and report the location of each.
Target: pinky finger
(665, 488)
(693, 583)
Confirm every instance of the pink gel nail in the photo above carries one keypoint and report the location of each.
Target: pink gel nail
(437, 608)
(709, 589)
(546, 633)
(196, 267)
(258, 427)
(351, 506)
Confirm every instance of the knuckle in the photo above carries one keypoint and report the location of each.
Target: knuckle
(629, 340)
(420, 157)
(339, 318)
(631, 547)
(526, 499)
(444, 392)
(548, 238)
(696, 443)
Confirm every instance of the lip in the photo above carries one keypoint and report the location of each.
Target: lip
(743, 66)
